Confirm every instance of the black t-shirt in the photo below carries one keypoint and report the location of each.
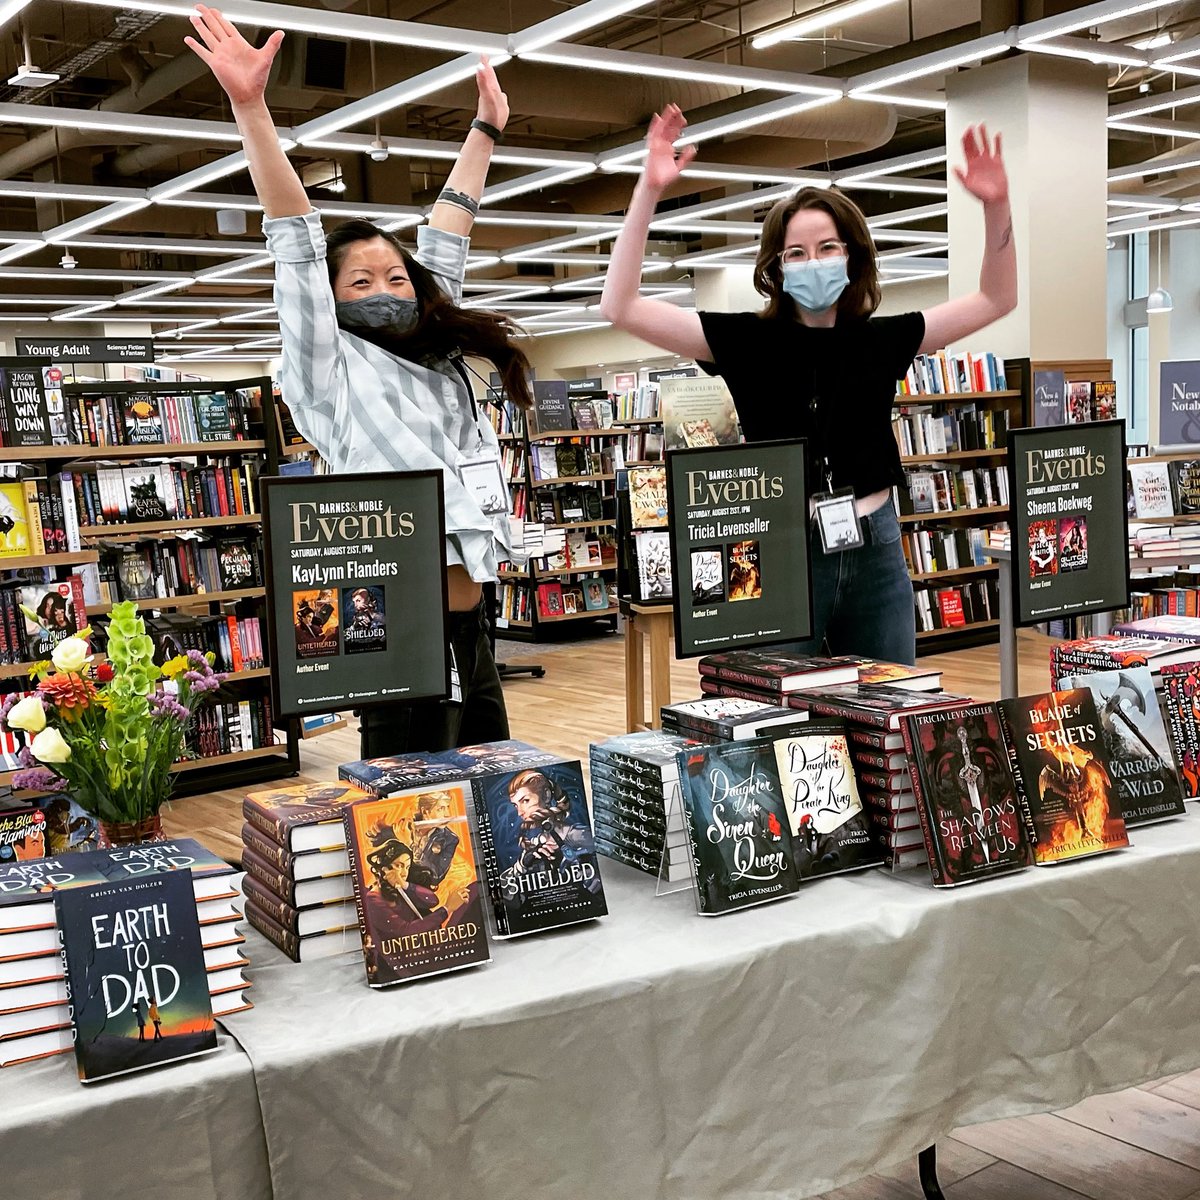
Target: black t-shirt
(836, 387)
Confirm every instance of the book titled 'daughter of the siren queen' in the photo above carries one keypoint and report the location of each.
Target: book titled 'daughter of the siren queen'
(416, 885)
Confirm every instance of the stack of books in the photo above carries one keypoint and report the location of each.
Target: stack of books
(872, 713)
(725, 718)
(299, 891)
(35, 1018)
(636, 804)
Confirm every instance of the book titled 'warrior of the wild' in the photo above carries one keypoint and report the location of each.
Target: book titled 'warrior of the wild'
(135, 974)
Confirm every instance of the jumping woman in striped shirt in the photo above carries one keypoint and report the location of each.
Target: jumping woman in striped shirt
(373, 339)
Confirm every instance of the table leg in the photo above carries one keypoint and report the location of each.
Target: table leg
(635, 697)
(1008, 633)
(927, 1169)
(660, 666)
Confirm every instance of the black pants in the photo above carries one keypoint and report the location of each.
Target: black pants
(441, 725)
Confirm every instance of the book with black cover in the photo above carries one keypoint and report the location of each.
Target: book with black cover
(1064, 780)
(364, 619)
(26, 887)
(879, 705)
(830, 830)
(536, 846)
(737, 824)
(416, 885)
(135, 974)
(777, 671)
(1135, 737)
(724, 718)
(965, 794)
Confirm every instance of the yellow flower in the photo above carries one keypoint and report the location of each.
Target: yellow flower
(50, 747)
(27, 714)
(175, 666)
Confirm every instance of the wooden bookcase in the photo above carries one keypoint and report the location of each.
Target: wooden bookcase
(214, 772)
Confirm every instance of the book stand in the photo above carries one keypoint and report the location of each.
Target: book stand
(676, 839)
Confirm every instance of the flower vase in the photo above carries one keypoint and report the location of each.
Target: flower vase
(129, 833)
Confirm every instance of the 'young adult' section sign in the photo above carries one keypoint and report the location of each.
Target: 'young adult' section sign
(1069, 521)
(739, 546)
(357, 589)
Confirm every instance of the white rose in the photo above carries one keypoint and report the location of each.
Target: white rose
(49, 747)
(70, 655)
(27, 714)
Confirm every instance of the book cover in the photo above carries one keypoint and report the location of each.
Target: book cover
(1165, 626)
(551, 406)
(737, 826)
(1151, 489)
(135, 974)
(697, 412)
(595, 595)
(652, 548)
(777, 671)
(316, 623)
(145, 500)
(416, 885)
(648, 497)
(1104, 400)
(584, 414)
(1079, 402)
(143, 422)
(154, 858)
(1064, 781)
(236, 564)
(14, 519)
(1180, 705)
(1185, 476)
(881, 705)
(1072, 544)
(49, 617)
(744, 570)
(302, 816)
(1135, 739)
(135, 573)
(830, 831)
(965, 794)
(212, 417)
(364, 618)
(708, 575)
(22, 834)
(537, 849)
(1043, 548)
(25, 408)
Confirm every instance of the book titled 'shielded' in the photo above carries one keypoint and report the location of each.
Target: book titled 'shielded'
(135, 973)
(966, 798)
(738, 826)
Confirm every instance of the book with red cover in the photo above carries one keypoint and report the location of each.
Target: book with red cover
(1112, 652)
(951, 607)
(1180, 699)
(779, 672)
(878, 705)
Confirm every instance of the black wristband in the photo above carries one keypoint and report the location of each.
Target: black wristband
(495, 134)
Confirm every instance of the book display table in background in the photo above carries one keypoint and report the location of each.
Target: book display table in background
(779, 1052)
(653, 624)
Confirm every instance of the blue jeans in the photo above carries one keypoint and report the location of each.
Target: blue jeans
(863, 598)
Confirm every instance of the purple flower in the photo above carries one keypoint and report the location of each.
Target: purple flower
(38, 779)
(25, 757)
(202, 683)
(164, 705)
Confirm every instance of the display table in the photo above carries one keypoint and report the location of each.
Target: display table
(778, 1052)
(653, 624)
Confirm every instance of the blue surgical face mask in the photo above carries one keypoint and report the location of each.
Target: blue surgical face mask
(396, 314)
(816, 286)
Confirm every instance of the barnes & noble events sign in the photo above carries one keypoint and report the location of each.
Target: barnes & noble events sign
(357, 601)
(1068, 520)
(739, 546)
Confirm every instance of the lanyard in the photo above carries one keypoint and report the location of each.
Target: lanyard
(819, 431)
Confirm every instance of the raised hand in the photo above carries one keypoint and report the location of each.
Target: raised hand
(985, 177)
(662, 168)
(240, 69)
(493, 103)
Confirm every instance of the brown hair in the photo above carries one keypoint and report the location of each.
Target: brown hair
(442, 326)
(553, 798)
(861, 298)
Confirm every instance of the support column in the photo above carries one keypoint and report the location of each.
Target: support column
(1051, 112)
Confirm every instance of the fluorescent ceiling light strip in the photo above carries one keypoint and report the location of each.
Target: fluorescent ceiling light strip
(159, 246)
(597, 58)
(1081, 48)
(50, 301)
(818, 19)
(140, 295)
(361, 143)
(548, 220)
(533, 249)
(758, 199)
(1153, 226)
(482, 260)
(1157, 42)
(891, 166)
(571, 329)
(73, 313)
(915, 277)
(329, 24)
(939, 62)
(10, 253)
(688, 260)
(1153, 167)
(1086, 17)
(1155, 103)
(1188, 48)
(265, 310)
(735, 174)
(27, 318)
(210, 201)
(564, 26)
(934, 103)
(909, 254)
(532, 183)
(102, 216)
(111, 121)
(230, 165)
(60, 276)
(227, 269)
(68, 191)
(897, 183)
(1151, 203)
(730, 228)
(910, 236)
(1175, 129)
(495, 285)
(10, 8)
(760, 114)
(185, 302)
(906, 216)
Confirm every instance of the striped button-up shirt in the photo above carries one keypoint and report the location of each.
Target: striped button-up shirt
(363, 408)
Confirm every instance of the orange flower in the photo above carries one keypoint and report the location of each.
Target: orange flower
(69, 694)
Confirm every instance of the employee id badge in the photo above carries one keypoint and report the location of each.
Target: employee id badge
(837, 521)
(483, 477)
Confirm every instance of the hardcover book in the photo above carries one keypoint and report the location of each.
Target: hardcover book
(135, 974)
(1064, 781)
(879, 705)
(652, 548)
(536, 847)
(772, 671)
(364, 619)
(51, 614)
(144, 499)
(14, 521)
(316, 622)
(22, 834)
(648, 497)
(212, 417)
(236, 560)
(1151, 489)
(303, 816)
(416, 885)
(26, 413)
(725, 718)
(25, 888)
(143, 423)
(1185, 475)
(1104, 400)
(965, 795)
(830, 831)
(1181, 709)
(1135, 739)
(737, 825)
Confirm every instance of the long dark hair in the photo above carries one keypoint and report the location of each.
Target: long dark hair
(442, 326)
(861, 298)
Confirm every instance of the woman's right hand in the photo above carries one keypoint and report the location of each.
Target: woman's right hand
(240, 69)
(662, 168)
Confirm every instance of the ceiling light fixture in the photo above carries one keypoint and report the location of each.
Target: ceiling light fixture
(533, 183)
(1153, 167)
(110, 121)
(1088, 51)
(1154, 103)
(758, 115)
(939, 62)
(819, 19)
(564, 26)
(1153, 43)
(890, 166)
(1086, 17)
(68, 262)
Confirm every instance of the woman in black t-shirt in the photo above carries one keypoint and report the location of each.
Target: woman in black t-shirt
(815, 363)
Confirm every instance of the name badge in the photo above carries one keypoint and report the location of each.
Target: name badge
(837, 521)
(485, 481)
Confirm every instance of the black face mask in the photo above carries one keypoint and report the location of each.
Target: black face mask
(382, 311)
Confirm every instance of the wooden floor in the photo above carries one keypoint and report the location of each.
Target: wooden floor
(1142, 1144)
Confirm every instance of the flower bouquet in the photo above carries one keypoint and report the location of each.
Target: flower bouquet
(108, 732)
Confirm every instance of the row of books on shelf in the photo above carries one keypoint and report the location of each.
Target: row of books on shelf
(187, 565)
(589, 593)
(514, 602)
(566, 459)
(504, 416)
(926, 431)
(951, 489)
(115, 495)
(235, 640)
(1178, 596)
(38, 514)
(147, 419)
(942, 373)
(642, 445)
(569, 503)
(35, 617)
(1163, 489)
(512, 461)
(954, 607)
(1089, 400)
(232, 726)
(637, 404)
(1163, 541)
(582, 548)
(945, 549)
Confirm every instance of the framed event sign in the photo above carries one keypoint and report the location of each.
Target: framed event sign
(738, 526)
(1179, 403)
(356, 589)
(1069, 521)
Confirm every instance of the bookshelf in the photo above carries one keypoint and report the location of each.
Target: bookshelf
(101, 419)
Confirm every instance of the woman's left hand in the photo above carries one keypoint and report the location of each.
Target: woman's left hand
(493, 103)
(985, 177)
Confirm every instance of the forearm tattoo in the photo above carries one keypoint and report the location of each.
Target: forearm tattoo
(1007, 238)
